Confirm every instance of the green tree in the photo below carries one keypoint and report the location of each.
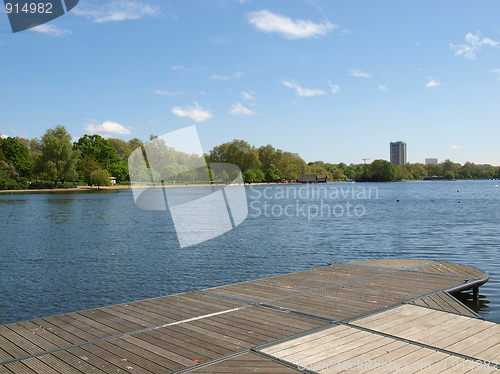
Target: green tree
(379, 171)
(133, 144)
(260, 177)
(99, 148)
(85, 166)
(121, 147)
(16, 153)
(100, 177)
(269, 157)
(249, 176)
(237, 152)
(57, 159)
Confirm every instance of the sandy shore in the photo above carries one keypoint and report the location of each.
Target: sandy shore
(104, 188)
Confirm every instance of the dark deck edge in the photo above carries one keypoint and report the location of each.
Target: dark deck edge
(475, 283)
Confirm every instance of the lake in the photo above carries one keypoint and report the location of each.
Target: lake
(64, 252)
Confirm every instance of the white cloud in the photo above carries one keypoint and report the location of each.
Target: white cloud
(359, 73)
(120, 10)
(3, 136)
(495, 71)
(248, 96)
(432, 83)
(454, 146)
(107, 128)
(334, 87)
(300, 91)
(240, 109)
(50, 30)
(226, 77)
(168, 93)
(383, 88)
(196, 112)
(473, 44)
(269, 22)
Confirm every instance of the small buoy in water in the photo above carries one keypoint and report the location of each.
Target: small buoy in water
(397, 201)
(458, 190)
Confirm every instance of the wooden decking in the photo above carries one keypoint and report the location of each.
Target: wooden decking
(369, 316)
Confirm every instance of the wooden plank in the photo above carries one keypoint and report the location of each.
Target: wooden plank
(393, 263)
(245, 363)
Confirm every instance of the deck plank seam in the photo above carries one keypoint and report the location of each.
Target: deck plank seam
(413, 342)
(474, 314)
(465, 306)
(431, 262)
(128, 333)
(297, 313)
(288, 364)
(295, 336)
(443, 310)
(329, 287)
(226, 297)
(211, 362)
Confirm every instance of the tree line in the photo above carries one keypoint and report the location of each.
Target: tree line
(54, 160)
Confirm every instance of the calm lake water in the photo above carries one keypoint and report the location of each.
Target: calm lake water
(73, 251)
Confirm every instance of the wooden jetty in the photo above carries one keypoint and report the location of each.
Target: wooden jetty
(369, 316)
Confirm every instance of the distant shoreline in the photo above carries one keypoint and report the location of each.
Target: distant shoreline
(113, 188)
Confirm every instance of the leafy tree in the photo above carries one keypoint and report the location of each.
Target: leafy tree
(224, 176)
(237, 152)
(379, 171)
(449, 175)
(86, 165)
(100, 177)
(16, 153)
(133, 144)
(121, 147)
(57, 158)
(451, 167)
(259, 176)
(269, 156)
(249, 176)
(99, 148)
(434, 170)
(338, 174)
(270, 176)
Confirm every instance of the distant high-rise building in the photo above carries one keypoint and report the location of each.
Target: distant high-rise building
(431, 161)
(398, 153)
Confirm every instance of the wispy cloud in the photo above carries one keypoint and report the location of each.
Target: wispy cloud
(359, 73)
(432, 83)
(196, 112)
(240, 109)
(107, 129)
(182, 69)
(334, 87)
(51, 30)
(269, 22)
(473, 44)
(226, 77)
(383, 88)
(495, 71)
(454, 146)
(120, 10)
(248, 96)
(168, 93)
(301, 91)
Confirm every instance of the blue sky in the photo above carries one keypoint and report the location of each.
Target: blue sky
(331, 80)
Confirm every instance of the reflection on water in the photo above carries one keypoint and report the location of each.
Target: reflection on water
(480, 306)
